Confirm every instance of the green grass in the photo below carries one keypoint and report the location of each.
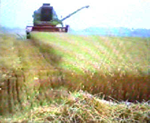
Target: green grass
(41, 79)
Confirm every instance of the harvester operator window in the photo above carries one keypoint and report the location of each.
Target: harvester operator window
(46, 14)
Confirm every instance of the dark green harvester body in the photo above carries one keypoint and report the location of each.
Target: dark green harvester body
(45, 19)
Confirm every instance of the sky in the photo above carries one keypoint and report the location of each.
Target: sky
(102, 13)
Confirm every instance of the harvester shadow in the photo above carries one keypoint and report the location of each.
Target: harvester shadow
(49, 77)
(48, 53)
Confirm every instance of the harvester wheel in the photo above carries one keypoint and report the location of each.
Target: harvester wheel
(28, 35)
(66, 29)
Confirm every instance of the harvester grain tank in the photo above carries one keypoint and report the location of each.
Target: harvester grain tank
(45, 19)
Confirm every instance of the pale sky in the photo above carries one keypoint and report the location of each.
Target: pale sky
(102, 13)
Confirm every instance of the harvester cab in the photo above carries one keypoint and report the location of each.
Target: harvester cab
(45, 19)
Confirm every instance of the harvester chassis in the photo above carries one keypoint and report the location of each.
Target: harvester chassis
(45, 28)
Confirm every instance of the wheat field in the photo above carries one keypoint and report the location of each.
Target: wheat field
(68, 78)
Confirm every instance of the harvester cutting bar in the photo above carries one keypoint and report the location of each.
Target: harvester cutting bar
(49, 29)
(45, 29)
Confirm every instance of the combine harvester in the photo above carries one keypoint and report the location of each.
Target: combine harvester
(45, 19)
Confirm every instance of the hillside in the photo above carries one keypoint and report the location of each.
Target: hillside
(120, 31)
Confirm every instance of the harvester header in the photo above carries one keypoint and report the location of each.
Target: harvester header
(45, 19)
